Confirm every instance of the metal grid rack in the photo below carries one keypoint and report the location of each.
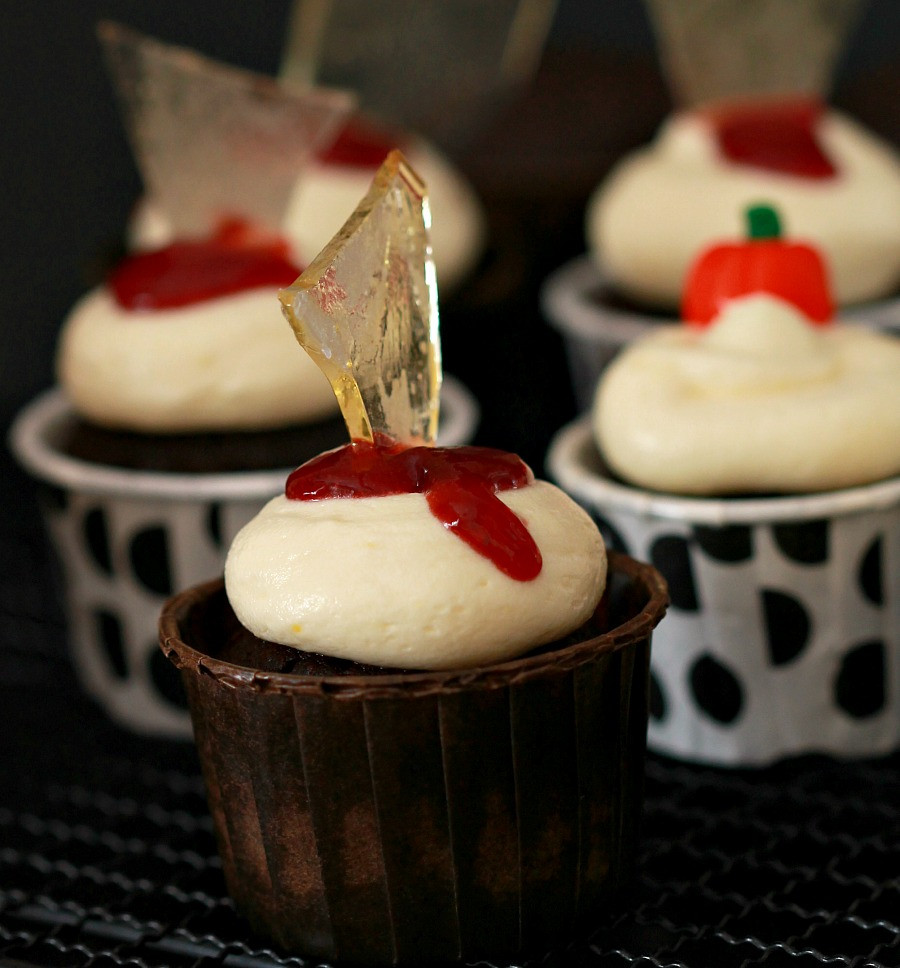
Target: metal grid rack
(107, 856)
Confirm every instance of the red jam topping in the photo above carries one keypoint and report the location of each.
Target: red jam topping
(236, 258)
(360, 144)
(778, 136)
(460, 485)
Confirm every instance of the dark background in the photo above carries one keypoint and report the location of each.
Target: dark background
(106, 857)
(68, 180)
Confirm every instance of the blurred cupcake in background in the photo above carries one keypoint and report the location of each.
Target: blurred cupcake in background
(751, 124)
(183, 400)
(330, 178)
(752, 454)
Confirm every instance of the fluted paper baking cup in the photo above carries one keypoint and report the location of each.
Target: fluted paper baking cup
(127, 539)
(424, 817)
(783, 636)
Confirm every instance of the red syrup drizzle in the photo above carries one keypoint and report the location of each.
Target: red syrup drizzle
(237, 257)
(360, 144)
(778, 136)
(460, 485)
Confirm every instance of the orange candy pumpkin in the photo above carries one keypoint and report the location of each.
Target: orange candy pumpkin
(765, 262)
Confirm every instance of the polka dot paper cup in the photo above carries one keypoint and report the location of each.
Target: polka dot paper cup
(577, 300)
(783, 634)
(127, 540)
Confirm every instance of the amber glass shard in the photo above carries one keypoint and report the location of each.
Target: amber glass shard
(366, 311)
(214, 141)
(715, 50)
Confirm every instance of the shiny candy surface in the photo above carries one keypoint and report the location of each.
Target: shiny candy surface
(366, 311)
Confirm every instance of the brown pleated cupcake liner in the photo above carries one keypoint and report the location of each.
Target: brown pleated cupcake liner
(424, 817)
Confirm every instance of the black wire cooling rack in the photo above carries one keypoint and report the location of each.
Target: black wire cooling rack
(107, 858)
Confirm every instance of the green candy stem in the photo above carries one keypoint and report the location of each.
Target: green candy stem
(763, 222)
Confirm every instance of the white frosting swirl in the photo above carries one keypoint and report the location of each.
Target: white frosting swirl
(663, 204)
(761, 401)
(327, 194)
(379, 580)
(221, 364)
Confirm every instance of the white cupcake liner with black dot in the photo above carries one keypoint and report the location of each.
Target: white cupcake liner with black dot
(783, 635)
(594, 330)
(127, 540)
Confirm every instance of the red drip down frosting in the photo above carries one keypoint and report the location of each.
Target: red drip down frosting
(237, 257)
(460, 485)
(779, 136)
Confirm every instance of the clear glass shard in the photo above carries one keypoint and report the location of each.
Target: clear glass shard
(214, 141)
(366, 311)
(715, 50)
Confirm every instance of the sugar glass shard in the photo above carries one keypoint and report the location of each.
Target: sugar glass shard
(366, 311)
(442, 68)
(214, 141)
(715, 50)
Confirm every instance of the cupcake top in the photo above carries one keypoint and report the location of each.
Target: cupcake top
(760, 392)
(483, 566)
(390, 551)
(836, 185)
(183, 339)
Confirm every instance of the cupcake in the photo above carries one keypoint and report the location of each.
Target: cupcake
(745, 129)
(180, 405)
(400, 690)
(753, 455)
(319, 173)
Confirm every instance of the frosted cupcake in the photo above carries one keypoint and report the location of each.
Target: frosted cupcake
(746, 129)
(753, 454)
(181, 404)
(834, 183)
(398, 601)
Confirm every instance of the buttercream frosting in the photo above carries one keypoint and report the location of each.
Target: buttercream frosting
(379, 580)
(664, 203)
(760, 401)
(222, 364)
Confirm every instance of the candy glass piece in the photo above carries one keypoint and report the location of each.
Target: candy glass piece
(214, 141)
(723, 49)
(366, 311)
(442, 68)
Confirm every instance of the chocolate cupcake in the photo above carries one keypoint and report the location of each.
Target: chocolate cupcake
(417, 817)
(473, 788)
